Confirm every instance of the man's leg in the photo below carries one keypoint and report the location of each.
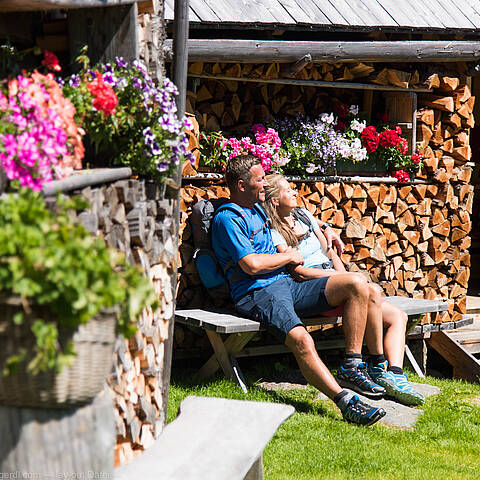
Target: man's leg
(351, 290)
(300, 342)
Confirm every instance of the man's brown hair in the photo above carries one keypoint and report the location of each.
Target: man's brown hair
(238, 168)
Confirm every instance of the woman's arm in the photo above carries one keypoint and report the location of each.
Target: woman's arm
(301, 273)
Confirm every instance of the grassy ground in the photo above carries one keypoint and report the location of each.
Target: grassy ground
(316, 444)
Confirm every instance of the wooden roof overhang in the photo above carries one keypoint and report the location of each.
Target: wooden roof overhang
(287, 51)
(31, 5)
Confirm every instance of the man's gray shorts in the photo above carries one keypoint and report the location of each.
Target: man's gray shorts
(279, 306)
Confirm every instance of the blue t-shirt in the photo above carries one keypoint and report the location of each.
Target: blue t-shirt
(309, 247)
(231, 241)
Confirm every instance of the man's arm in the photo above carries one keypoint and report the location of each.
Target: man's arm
(258, 263)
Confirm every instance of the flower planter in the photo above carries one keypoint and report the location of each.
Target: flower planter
(368, 166)
(76, 384)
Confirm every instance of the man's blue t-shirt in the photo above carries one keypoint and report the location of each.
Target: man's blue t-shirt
(231, 241)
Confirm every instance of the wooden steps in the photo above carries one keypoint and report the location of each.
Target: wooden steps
(461, 348)
(473, 304)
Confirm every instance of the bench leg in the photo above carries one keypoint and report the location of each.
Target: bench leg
(222, 352)
(256, 472)
(413, 362)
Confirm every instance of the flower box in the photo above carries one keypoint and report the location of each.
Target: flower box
(77, 383)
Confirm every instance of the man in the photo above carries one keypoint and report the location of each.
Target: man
(262, 289)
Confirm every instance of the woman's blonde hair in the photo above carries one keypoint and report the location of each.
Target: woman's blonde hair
(273, 191)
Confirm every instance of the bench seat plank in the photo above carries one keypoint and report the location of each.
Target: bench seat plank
(211, 439)
(219, 322)
(222, 322)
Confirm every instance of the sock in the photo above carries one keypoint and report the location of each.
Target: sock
(351, 360)
(341, 399)
(395, 370)
(376, 359)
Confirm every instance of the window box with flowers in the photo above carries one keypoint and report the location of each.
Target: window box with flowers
(333, 143)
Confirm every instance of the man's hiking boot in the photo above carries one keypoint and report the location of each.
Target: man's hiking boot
(356, 411)
(397, 386)
(358, 380)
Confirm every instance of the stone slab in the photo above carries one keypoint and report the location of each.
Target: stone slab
(398, 415)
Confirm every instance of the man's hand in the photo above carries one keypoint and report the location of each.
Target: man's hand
(296, 258)
(333, 240)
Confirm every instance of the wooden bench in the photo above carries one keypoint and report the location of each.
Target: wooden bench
(211, 439)
(240, 331)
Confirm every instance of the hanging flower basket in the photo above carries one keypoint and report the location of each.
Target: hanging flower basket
(75, 384)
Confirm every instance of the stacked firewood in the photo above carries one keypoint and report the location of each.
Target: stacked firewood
(137, 218)
(223, 104)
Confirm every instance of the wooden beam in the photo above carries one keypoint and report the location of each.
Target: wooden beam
(465, 365)
(313, 83)
(264, 51)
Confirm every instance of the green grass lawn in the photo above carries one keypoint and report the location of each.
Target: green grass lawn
(316, 444)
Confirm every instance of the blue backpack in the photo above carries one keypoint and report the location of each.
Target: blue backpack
(209, 269)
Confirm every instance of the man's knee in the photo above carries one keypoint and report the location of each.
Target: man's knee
(299, 341)
(374, 293)
(358, 285)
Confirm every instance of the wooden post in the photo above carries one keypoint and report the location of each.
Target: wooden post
(48, 444)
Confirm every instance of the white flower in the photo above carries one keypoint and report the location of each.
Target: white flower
(311, 168)
(326, 118)
(358, 126)
(353, 109)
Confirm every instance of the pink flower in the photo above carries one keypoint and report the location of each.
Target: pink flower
(258, 128)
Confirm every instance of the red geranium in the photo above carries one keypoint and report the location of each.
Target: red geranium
(50, 61)
(416, 157)
(402, 145)
(341, 109)
(104, 98)
(340, 126)
(370, 139)
(402, 176)
(389, 138)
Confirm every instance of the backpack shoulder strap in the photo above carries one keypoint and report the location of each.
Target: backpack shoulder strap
(304, 218)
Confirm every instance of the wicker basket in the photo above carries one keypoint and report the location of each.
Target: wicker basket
(76, 384)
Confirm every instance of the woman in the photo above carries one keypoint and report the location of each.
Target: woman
(297, 228)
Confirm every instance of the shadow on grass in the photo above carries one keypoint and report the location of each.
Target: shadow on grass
(303, 400)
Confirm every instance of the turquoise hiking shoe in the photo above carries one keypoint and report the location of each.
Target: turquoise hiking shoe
(396, 386)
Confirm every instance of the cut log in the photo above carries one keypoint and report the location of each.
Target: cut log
(444, 104)
(449, 84)
(433, 81)
(354, 229)
(426, 116)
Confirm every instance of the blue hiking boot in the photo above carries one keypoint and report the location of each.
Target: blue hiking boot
(358, 380)
(356, 411)
(397, 385)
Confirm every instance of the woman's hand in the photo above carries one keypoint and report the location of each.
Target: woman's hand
(333, 239)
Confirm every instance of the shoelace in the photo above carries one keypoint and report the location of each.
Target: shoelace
(362, 369)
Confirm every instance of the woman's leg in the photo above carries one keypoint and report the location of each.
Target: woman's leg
(395, 324)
